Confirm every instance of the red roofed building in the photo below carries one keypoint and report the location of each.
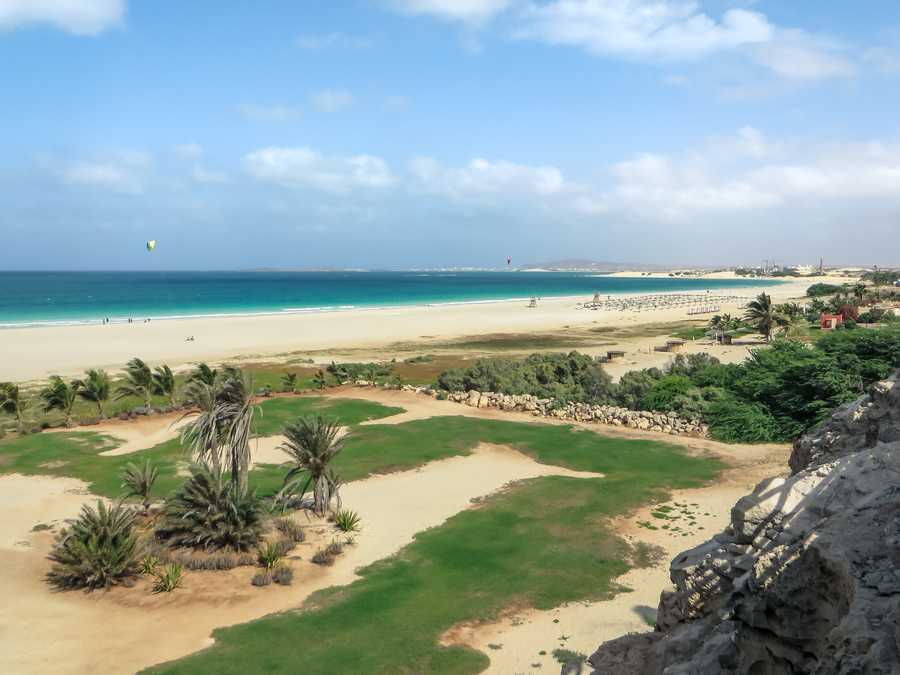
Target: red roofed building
(830, 321)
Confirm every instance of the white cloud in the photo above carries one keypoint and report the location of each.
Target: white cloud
(81, 17)
(468, 11)
(304, 167)
(798, 61)
(333, 100)
(483, 178)
(317, 43)
(275, 115)
(119, 171)
(188, 151)
(203, 175)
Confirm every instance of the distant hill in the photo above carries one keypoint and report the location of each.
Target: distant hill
(593, 266)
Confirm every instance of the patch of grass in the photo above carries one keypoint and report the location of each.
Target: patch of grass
(277, 411)
(519, 342)
(541, 543)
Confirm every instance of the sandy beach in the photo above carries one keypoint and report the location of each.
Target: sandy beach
(34, 353)
(42, 631)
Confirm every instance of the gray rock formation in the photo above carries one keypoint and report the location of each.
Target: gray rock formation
(806, 579)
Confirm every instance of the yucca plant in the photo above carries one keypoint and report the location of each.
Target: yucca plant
(269, 555)
(97, 550)
(347, 521)
(150, 564)
(169, 579)
(205, 513)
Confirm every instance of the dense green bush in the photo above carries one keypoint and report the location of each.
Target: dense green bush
(817, 290)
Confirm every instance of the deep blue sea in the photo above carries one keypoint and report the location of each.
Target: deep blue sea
(66, 298)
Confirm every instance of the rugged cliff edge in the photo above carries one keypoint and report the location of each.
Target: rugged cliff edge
(806, 579)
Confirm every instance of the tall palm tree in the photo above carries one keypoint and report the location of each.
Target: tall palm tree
(762, 315)
(13, 403)
(338, 372)
(96, 389)
(289, 380)
(312, 444)
(203, 373)
(139, 480)
(237, 410)
(206, 433)
(61, 395)
(319, 380)
(138, 382)
(164, 383)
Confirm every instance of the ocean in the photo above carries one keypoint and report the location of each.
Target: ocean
(71, 298)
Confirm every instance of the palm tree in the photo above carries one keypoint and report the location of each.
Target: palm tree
(61, 395)
(164, 383)
(763, 316)
(312, 444)
(96, 389)
(139, 480)
(206, 434)
(289, 380)
(138, 382)
(237, 410)
(320, 381)
(205, 512)
(338, 372)
(97, 550)
(13, 403)
(203, 373)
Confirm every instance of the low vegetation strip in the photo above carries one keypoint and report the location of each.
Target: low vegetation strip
(542, 543)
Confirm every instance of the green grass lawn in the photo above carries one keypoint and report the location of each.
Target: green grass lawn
(76, 453)
(542, 544)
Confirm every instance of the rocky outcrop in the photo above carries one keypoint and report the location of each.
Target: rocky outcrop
(806, 579)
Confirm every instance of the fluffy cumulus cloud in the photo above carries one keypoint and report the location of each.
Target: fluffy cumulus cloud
(188, 151)
(80, 17)
(203, 175)
(304, 167)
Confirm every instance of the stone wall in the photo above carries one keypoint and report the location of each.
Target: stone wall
(667, 423)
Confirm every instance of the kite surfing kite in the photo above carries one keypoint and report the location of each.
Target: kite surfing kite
(509, 261)
(151, 245)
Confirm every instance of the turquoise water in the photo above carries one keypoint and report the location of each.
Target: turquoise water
(66, 298)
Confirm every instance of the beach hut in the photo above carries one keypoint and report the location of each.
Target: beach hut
(674, 345)
(615, 356)
(830, 321)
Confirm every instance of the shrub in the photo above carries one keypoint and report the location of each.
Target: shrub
(285, 546)
(98, 549)
(335, 547)
(347, 521)
(663, 393)
(291, 529)
(323, 556)
(283, 575)
(261, 579)
(568, 656)
(157, 549)
(205, 513)
(169, 579)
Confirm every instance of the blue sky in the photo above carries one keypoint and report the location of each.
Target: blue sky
(440, 133)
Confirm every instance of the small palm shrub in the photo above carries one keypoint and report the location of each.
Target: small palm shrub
(347, 521)
(291, 529)
(261, 579)
(139, 480)
(169, 579)
(97, 550)
(568, 656)
(205, 513)
(283, 575)
(269, 555)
